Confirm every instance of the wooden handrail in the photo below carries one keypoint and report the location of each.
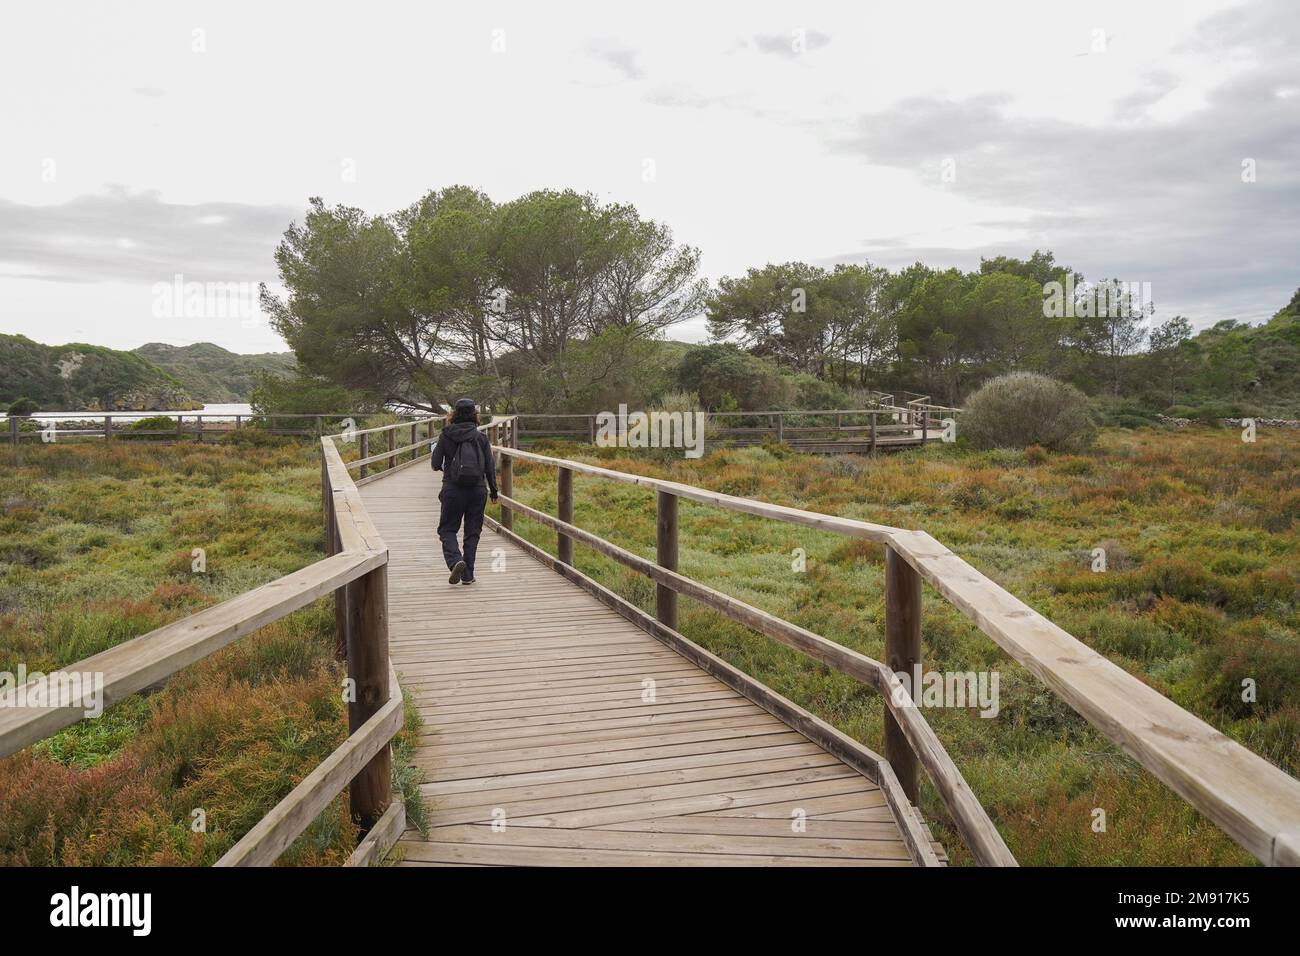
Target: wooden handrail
(845, 526)
(143, 661)
(387, 454)
(383, 428)
(1250, 799)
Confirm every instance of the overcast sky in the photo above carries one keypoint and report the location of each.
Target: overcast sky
(145, 140)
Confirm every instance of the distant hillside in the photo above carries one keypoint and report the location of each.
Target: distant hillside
(213, 374)
(79, 376)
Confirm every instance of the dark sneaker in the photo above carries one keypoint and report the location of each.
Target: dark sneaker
(467, 581)
(457, 571)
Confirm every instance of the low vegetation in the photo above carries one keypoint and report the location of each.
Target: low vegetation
(96, 547)
(1201, 591)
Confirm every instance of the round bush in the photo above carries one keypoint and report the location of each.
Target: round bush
(154, 423)
(23, 408)
(1025, 408)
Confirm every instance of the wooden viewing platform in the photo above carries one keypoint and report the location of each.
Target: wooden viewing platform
(564, 725)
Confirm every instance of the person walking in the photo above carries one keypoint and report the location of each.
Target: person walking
(464, 456)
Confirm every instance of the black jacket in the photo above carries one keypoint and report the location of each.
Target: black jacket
(451, 438)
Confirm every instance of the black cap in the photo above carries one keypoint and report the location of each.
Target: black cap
(464, 403)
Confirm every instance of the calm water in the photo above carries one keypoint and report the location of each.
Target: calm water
(227, 412)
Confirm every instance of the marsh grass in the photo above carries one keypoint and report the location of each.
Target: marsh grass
(96, 547)
(1201, 592)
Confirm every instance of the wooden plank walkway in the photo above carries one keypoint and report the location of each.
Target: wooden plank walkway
(542, 745)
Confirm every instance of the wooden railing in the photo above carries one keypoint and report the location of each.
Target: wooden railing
(1254, 802)
(871, 426)
(422, 432)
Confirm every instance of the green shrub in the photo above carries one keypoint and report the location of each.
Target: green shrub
(723, 375)
(154, 423)
(811, 392)
(1025, 408)
(23, 408)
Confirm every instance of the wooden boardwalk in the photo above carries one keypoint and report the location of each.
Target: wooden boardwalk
(543, 744)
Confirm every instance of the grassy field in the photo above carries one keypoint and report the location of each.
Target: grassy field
(1201, 591)
(96, 547)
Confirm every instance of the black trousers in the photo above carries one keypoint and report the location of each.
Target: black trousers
(461, 504)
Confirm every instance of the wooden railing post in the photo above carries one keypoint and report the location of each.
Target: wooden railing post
(392, 443)
(506, 485)
(925, 424)
(780, 427)
(902, 656)
(564, 507)
(666, 554)
(365, 453)
(198, 428)
(873, 433)
(13, 431)
(368, 673)
(514, 432)
(415, 452)
(108, 427)
(332, 547)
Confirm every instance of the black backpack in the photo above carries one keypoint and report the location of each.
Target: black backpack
(465, 466)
